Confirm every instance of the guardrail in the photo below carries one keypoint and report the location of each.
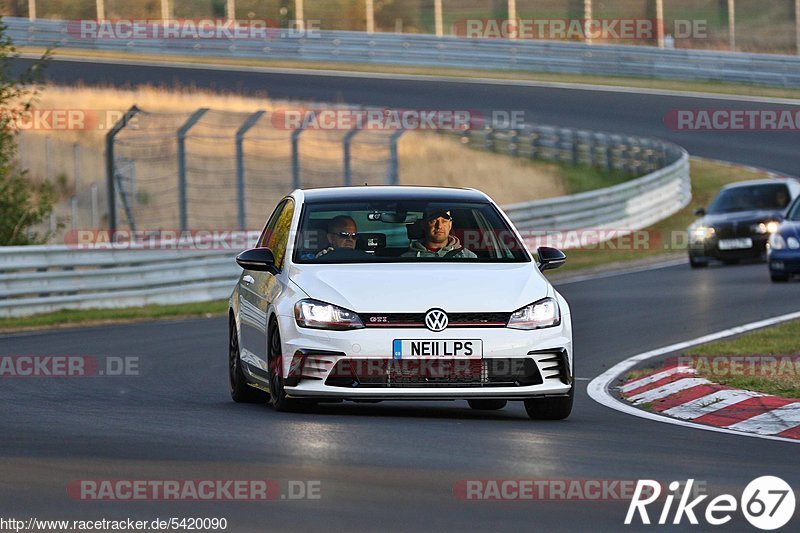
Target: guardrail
(40, 279)
(632, 205)
(427, 50)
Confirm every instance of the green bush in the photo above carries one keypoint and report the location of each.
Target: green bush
(23, 204)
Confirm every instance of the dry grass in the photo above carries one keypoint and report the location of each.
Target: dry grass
(430, 159)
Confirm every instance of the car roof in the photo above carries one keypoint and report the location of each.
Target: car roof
(765, 181)
(392, 192)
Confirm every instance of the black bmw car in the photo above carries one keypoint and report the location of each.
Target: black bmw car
(739, 221)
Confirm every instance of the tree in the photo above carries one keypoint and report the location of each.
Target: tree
(23, 203)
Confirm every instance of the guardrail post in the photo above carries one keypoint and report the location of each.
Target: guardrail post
(437, 17)
(76, 156)
(488, 139)
(536, 143)
(296, 156)
(181, 136)
(348, 139)
(513, 143)
(240, 133)
(111, 168)
(393, 174)
(95, 219)
(73, 203)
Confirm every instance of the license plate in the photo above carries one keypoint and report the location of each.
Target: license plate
(735, 244)
(415, 349)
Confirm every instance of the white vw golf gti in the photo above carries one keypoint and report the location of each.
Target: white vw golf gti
(398, 293)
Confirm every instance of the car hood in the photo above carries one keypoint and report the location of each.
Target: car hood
(790, 228)
(741, 217)
(412, 288)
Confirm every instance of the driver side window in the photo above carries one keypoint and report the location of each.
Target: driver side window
(276, 234)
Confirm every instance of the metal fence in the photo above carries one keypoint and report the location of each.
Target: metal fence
(437, 52)
(215, 169)
(35, 279)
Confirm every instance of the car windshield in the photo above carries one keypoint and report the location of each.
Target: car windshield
(774, 197)
(405, 231)
(794, 213)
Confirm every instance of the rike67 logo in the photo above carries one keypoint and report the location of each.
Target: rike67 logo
(767, 502)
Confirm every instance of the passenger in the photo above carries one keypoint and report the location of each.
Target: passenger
(342, 234)
(437, 241)
(781, 199)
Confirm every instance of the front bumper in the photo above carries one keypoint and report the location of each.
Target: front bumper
(547, 372)
(710, 248)
(784, 261)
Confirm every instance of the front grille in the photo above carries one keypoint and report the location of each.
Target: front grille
(417, 320)
(376, 373)
(733, 230)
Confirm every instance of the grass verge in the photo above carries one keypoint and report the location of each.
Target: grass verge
(683, 86)
(743, 372)
(88, 317)
(668, 236)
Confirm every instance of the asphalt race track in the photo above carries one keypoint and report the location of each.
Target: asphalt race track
(392, 466)
(385, 466)
(627, 113)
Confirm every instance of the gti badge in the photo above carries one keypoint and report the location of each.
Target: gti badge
(436, 320)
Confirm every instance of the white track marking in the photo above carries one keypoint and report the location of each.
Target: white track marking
(639, 383)
(667, 390)
(710, 403)
(598, 389)
(772, 422)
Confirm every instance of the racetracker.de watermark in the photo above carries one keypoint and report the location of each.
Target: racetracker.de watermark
(67, 366)
(210, 29)
(733, 120)
(611, 239)
(247, 490)
(60, 119)
(581, 29)
(766, 366)
(373, 119)
(548, 489)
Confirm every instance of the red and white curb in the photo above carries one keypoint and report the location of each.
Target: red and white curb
(681, 398)
(677, 392)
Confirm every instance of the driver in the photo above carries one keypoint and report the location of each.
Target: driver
(342, 234)
(437, 241)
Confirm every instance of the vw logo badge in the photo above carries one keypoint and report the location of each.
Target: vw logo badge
(436, 320)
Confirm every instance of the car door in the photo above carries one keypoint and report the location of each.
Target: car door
(259, 289)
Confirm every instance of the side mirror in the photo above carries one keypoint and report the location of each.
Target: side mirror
(257, 260)
(700, 212)
(550, 258)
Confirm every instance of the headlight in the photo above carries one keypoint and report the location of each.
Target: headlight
(766, 227)
(319, 315)
(542, 314)
(702, 233)
(777, 242)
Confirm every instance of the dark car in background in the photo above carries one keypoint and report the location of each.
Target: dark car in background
(783, 249)
(739, 221)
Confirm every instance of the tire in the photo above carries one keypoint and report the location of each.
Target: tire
(557, 408)
(694, 263)
(779, 278)
(280, 402)
(487, 405)
(241, 392)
